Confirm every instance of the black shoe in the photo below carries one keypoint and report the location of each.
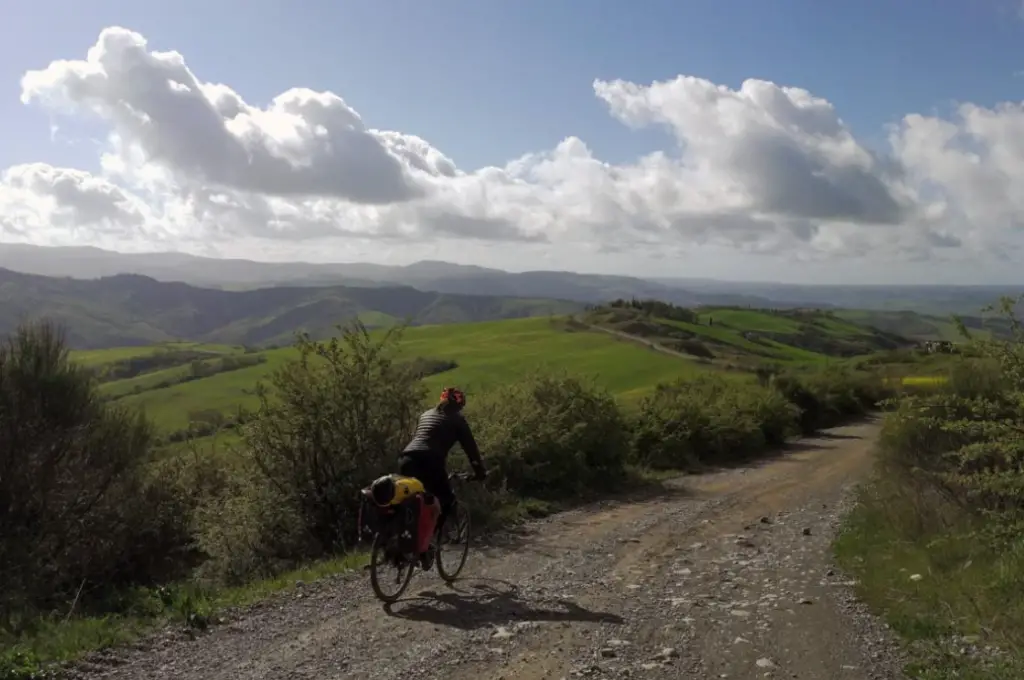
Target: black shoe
(427, 560)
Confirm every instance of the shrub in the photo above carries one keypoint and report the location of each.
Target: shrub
(83, 513)
(796, 392)
(826, 397)
(708, 420)
(249, 529)
(777, 416)
(692, 347)
(949, 503)
(423, 367)
(976, 379)
(655, 308)
(551, 437)
(967, 448)
(159, 359)
(328, 423)
(199, 369)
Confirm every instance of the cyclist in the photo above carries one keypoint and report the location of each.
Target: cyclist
(426, 456)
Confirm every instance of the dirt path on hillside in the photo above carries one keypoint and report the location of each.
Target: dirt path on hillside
(726, 575)
(636, 339)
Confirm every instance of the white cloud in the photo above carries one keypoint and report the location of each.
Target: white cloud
(759, 169)
(48, 204)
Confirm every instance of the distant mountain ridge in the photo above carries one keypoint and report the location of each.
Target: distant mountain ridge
(445, 277)
(131, 309)
(442, 277)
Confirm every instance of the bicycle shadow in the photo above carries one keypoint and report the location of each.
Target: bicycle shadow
(478, 603)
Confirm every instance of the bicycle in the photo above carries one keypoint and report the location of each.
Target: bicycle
(387, 550)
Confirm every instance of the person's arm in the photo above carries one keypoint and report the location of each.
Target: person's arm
(468, 444)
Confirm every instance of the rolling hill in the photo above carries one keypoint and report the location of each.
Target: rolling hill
(136, 310)
(484, 355)
(926, 326)
(184, 382)
(743, 336)
(444, 277)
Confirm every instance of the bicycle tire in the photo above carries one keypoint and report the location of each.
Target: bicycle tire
(377, 559)
(459, 511)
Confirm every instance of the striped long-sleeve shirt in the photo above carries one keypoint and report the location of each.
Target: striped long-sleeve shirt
(439, 430)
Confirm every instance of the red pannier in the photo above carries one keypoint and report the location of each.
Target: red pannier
(428, 509)
(417, 520)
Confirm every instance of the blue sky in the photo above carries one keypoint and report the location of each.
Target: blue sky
(486, 82)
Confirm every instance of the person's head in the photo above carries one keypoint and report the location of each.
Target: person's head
(452, 399)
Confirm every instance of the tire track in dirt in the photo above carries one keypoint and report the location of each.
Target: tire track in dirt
(603, 591)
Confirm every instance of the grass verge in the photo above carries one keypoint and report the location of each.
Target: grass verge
(935, 540)
(957, 604)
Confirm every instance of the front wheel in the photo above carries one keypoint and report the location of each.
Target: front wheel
(386, 557)
(454, 533)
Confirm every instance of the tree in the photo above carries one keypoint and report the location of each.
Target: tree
(78, 507)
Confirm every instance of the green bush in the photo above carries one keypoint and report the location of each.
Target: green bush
(826, 397)
(83, 511)
(692, 347)
(551, 437)
(249, 529)
(328, 423)
(778, 417)
(423, 367)
(708, 420)
(982, 378)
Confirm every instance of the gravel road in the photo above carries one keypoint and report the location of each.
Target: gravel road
(725, 575)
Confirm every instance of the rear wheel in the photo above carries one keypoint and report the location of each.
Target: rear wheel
(390, 572)
(453, 543)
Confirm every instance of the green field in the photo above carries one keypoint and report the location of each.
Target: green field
(92, 358)
(745, 337)
(494, 353)
(489, 354)
(925, 327)
(169, 407)
(732, 336)
(717, 334)
(144, 382)
(749, 320)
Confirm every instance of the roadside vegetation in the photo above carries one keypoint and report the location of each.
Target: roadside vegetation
(936, 541)
(114, 526)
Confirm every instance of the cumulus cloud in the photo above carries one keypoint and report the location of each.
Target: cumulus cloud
(44, 203)
(764, 149)
(974, 162)
(759, 169)
(85, 199)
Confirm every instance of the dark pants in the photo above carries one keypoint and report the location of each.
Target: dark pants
(429, 468)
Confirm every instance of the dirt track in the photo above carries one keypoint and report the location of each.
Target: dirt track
(727, 575)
